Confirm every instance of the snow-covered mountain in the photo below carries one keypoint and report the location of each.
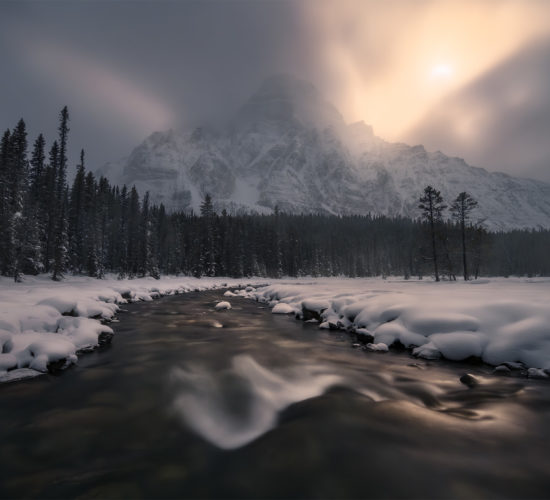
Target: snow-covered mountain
(288, 147)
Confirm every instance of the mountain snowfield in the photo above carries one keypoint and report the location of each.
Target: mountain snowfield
(288, 147)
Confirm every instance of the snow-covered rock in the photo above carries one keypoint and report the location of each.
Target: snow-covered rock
(288, 147)
(380, 347)
(222, 306)
(282, 308)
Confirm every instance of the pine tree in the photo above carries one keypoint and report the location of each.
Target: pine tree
(134, 217)
(5, 165)
(17, 196)
(461, 209)
(77, 255)
(61, 240)
(49, 206)
(432, 206)
(104, 216)
(90, 225)
(207, 207)
(60, 248)
(119, 232)
(208, 243)
(37, 165)
(144, 244)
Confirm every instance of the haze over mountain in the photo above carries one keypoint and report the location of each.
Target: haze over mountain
(288, 147)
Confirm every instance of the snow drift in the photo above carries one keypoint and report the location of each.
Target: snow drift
(500, 321)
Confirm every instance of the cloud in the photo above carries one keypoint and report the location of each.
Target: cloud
(378, 58)
(501, 120)
(126, 69)
(99, 89)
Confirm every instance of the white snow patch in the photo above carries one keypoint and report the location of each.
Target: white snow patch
(223, 305)
(282, 308)
(380, 347)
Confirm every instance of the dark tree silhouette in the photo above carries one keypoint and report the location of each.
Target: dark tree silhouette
(461, 209)
(432, 206)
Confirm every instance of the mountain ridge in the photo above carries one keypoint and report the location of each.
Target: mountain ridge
(288, 147)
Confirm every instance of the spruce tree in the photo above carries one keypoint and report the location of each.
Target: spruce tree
(18, 194)
(37, 165)
(208, 248)
(77, 256)
(134, 217)
(49, 206)
(5, 165)
(60, 248)
(90, 226)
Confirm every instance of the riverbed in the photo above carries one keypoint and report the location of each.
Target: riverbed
(192, 402)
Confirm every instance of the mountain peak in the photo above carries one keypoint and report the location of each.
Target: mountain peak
(287, 100)
(287, 86)
(289, 147)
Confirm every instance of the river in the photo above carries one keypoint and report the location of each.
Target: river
(189, 402)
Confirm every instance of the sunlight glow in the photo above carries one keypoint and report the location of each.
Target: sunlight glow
(98, 87)
(442, 71)
(392, 63)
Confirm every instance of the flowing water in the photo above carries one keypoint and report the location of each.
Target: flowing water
(189, 402)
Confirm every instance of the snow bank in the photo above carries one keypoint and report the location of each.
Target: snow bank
(501, 321)
(282, 308)
(45, 325)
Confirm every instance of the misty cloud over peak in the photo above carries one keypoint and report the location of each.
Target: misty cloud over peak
(287, 99)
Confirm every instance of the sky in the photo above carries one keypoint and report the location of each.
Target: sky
(468, 77)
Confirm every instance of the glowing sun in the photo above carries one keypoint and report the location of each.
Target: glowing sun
(442, 71)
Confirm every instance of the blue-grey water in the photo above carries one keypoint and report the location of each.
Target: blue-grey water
(189, 402)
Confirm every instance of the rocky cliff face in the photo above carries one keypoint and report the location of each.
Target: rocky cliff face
(288, 147)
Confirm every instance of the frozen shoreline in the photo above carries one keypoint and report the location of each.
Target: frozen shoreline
(505, 322)
(45, 325)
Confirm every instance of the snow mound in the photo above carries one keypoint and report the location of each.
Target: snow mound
(282, 308)
(381, 347)
(500, 321)
(222, 306)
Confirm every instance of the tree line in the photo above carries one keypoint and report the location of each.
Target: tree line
(92, 227)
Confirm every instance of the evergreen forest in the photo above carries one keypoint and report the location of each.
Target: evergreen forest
(91, 227)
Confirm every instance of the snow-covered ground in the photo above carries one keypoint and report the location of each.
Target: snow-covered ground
(45, 325)
(505, 322)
